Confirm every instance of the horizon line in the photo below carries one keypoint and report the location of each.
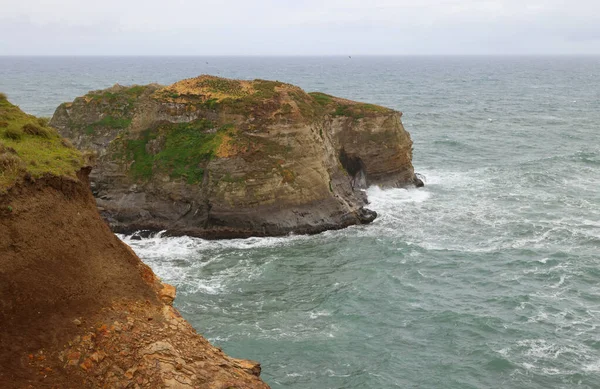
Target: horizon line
(301, 55)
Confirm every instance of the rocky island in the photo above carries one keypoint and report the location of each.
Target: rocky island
(219, 158)
(78, 309)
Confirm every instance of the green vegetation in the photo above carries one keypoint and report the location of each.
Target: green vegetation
(286, 109)
(129, 93)
(347, 110)
(141, 168)
(108, 122)
(245, 104)
(29, 146)
(373, 108)
(359, 110)
(43, 121)
(322, 98)
(353, 110)
(265, 89)
(187, 147)
(13, 133)
(36, 130)
(306, 104)
(120, 99)
(211, 103)
(222, 86)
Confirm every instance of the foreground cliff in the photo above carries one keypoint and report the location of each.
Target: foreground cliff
(219, 158)
(78, 309)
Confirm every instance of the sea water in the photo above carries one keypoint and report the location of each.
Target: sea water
(489, 277)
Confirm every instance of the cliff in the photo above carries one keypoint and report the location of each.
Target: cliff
(78, 309)
(220, 158)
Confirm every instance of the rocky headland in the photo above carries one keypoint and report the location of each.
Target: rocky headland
(219, 158)
(78, 309)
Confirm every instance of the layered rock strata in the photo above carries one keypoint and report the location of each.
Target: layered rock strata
(219, 158)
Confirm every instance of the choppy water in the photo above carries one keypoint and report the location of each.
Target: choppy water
(489, 277)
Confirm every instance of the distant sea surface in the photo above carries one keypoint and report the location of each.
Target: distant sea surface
(489, 277)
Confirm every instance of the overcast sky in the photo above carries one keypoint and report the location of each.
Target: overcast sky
(299, 27)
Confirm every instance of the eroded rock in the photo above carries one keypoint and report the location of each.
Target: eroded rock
(219, 158)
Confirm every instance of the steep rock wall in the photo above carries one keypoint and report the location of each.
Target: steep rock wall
(219, 158)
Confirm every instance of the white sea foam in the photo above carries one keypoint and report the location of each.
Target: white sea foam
(317, 314)
(383, 199)
(592, 367)
(332, 373)
(159, 246)
(542, 349)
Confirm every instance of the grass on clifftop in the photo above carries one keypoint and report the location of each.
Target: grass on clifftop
(234, 96)
(265, 101)
(121, 97)
(29, 146)
(341, 107)
(108, 122)
(185, 150)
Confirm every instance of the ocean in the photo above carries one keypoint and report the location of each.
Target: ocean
(489, 277)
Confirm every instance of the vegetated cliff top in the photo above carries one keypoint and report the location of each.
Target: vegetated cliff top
(200, 119)
(30, 148)
(262, 98)
(244, 96)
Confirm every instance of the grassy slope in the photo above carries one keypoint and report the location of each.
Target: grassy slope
(28, 146)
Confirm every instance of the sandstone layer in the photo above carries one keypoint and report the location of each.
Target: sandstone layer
(219, 158)
(78, 309)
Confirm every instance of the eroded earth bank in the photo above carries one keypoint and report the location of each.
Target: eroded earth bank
(78, 309)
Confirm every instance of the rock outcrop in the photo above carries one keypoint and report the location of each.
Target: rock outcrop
(219, 158)
(78, 309)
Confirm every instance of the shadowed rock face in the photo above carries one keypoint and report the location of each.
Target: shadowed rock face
(219, 158)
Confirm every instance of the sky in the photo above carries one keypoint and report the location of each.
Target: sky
(299, 27)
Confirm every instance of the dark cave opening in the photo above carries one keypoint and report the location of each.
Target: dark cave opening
(355, 167)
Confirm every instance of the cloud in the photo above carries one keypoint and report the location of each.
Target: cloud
(300, 27)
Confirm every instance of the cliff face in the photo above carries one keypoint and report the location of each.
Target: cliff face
(221, 158)
(77, 307)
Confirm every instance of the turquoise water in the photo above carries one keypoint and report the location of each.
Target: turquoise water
(488, 277)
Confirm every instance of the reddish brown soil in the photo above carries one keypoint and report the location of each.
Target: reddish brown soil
(65, 279)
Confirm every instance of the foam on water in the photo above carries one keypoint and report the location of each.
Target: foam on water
(385, 200)
(485, 278)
